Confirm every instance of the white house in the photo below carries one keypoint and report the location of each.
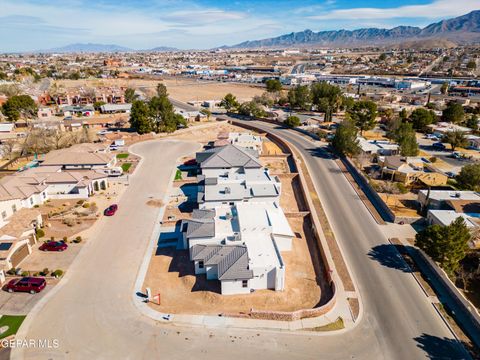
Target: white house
(239, 245)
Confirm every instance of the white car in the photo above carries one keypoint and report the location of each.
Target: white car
(103, 132)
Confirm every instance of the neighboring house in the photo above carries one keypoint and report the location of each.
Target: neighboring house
(81, 157)
(115, 108)
(250, 184)
(239, 245)
(17, 237)
(377, 147)
(410, 170)
(446, 199)
(441, 128)
(222, 160)
(446, 217)
(7, 127)
(246, 141)
(473, 141)
(230, 174)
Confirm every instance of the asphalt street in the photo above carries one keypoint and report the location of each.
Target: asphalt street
(92, 315)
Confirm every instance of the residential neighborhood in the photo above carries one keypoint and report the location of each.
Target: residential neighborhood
(212, 180)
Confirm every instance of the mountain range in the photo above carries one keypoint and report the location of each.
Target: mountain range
(464, 29)
(99, 48)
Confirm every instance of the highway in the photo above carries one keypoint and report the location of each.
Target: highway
(92, 315)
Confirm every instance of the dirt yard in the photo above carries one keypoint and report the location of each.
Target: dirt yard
(276, 165)
(178, 88)
(172, 275)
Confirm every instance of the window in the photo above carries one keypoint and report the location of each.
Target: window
(14, 208)
(4, 215)
(244, 283)
(200, 265)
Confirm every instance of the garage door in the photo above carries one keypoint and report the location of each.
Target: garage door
(19, 255)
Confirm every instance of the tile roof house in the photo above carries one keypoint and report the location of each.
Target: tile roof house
(81, 156)
(17, 236)
(239, 245)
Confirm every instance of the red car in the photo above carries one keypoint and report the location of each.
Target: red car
(53, 246)
(111, 210)
(32, 285)
(191, 162)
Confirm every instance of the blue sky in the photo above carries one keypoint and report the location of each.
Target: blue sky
(188, 24)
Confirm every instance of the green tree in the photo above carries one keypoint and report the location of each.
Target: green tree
(207, 113)
(444, 88)
(98, 104)
(363, 113)
(453, 113)
(471, 65)
(162, 114)
(252, 109)
(130, 95)
(140, 120)
(19, 106)
(273, 85)
(292, 121)
(406, 139)
(345, 140)
(161, 90)
(455, 138)
(382, 57)
(300, 97)
(469, 177)
(472, 122)
(403, 115)
(326, 98)
(446, 245)
(421, 118)
(230, 103)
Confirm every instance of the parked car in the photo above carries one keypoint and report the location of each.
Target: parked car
(450, 174)
(432, 137)
(53, 246)
(32, 285)
(111, 210)
(190, 162)
(438, 146)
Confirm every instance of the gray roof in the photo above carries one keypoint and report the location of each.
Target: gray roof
(200, 228)
(232, 261)
(203, 214)
(226, 157)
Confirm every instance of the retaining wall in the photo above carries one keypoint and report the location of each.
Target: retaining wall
(321, 245)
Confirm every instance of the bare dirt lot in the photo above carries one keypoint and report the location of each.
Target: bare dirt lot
(172, 275)
(179, 89)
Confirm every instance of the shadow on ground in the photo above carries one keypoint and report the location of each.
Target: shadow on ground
(389, 255)
(182, 265)
(437, 348)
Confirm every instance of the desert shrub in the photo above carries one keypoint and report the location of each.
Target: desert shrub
(25, 273)
(402, 188)
(11, 271)
(433, 159)
(80, 202)
(44, 272)
(57, 273)
(77, 240)
(52, 238)
(69, 222)
(39, 233)
(65, 239)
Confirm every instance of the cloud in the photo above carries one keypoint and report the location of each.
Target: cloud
(436, 9)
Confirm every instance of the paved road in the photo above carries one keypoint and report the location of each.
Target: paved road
(92, 314)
